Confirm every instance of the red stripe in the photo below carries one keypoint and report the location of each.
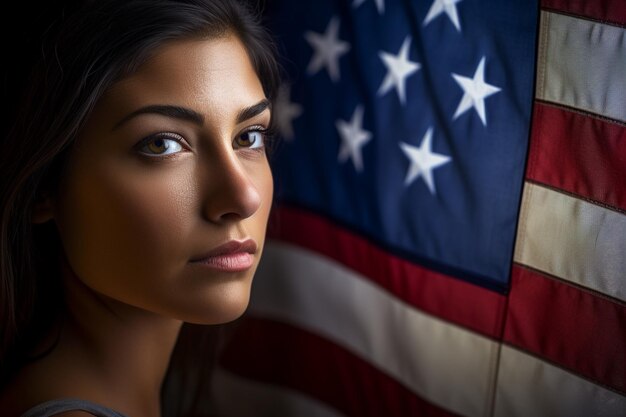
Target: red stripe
(283, 355)
(610, 11)
(448, 298)
(576, 329)
(583, 155)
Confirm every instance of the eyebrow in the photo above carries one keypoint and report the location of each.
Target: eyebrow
(250, 112)
(174, 112)
(184, 113)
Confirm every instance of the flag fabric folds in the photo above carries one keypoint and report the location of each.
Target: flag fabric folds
(449, 236)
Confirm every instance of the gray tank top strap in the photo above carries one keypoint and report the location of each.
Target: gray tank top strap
(54, 407)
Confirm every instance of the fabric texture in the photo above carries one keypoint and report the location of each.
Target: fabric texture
(449, 230)
(54, 407)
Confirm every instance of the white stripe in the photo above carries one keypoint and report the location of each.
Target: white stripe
(239, 397)
(573, 240)
(549, 391)
(582, 64)
(442, 363)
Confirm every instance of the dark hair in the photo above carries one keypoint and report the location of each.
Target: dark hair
(83, 49)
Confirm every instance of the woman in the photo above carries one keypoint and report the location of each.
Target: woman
(135, 196)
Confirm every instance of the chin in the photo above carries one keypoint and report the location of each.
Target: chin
(225, 308)
(227, 315)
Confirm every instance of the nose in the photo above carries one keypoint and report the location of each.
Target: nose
(231, 192)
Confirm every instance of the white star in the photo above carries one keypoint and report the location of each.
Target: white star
(476, 90)
(285, 112)
(353, 138)
(423, 161)
(399, 68)
(327, 50)
(380, 5)
(447, 6)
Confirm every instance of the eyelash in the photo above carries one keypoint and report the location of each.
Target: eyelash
(162, 135)
(266, 133)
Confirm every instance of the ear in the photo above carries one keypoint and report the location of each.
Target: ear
(43, 210)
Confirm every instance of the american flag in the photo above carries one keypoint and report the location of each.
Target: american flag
(449, 236)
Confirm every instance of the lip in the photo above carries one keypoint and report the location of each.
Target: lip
(232, 256)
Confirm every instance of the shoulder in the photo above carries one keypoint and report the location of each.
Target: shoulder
(33, 400)
(38, 391)
(38, 384)
(70, 407)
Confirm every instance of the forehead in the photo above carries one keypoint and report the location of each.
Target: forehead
(210, 75)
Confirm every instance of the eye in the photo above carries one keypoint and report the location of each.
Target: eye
(161, 144)
(251, 139)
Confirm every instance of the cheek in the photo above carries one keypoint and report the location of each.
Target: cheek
(129, 230)
(124, 228)
(265, 186)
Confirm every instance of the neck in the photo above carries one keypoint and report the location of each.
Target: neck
(120, 351)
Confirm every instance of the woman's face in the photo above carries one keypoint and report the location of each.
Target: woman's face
(165, 198)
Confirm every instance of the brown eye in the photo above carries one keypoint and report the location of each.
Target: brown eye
(161, 146)
(251, 139)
